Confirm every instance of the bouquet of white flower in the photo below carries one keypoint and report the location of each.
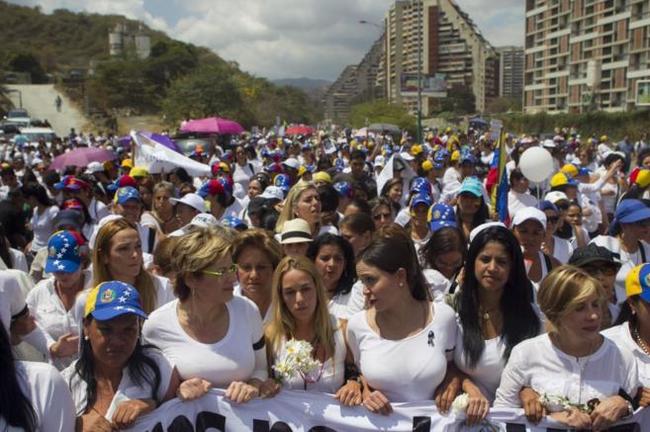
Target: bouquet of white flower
(556, 403)
(297, 360)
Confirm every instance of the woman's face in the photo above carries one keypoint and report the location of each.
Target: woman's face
(584, 321)
(254, 188)
(240, 155)
(395, 193)
(308, 206)
(583, 155)
(358, 241)
(574, 215)
(146, 196)
(383, 216)
(113, 341)
(448, 263)
(124, 258)
(492, 267)
(185, 213)
(68, 280)
(552, 219)
(530, 234)
(381, 289)
(419, 214)
(468, 203)
(211, 288)
(641, 310)
(637, 230)
(299, 295)
(295, 249)
(646, 162)
(606, 274)
(255, 272)
(161, 201)
(521, 185)
(330, 263)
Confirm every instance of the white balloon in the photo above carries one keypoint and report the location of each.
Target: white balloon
(536, 164)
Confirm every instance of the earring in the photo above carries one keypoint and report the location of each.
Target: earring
(401, 284)
(86, 338)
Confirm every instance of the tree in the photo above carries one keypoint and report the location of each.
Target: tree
(381, 111)
(503, 104)
(208, 91)
(459, 100)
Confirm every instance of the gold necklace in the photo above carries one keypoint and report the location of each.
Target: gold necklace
(640, 342)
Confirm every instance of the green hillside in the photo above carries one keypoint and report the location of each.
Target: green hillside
(42, 44)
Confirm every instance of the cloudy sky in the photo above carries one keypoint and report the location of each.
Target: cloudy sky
(287, 38)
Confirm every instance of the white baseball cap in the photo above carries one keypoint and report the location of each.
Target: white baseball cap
(556, 196)
(94, 167)
(292, 163)
(193, 200)
(529, 213)
(272, 192)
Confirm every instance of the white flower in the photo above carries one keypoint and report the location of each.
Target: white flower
(459, 405)
(297, 360)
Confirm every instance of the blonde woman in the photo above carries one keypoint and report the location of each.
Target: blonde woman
(300, 312)
(117, 255)
(303, 202)
(208, 332)
(572, 362)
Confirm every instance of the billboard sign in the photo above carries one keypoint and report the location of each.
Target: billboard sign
(642, 93)
(432, 85)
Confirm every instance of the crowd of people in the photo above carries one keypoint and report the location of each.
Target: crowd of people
(121, 288)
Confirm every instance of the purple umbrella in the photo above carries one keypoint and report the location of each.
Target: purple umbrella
(213, 125)
(81, 157)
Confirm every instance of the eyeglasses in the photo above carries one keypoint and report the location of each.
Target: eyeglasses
(219, 273)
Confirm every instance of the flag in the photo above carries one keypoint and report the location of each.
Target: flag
(500, 187)
(157, 158)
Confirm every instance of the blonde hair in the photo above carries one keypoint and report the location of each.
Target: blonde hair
(259, 239)
(196, 251)
(289, 208)
(563, 289)
(283, 324)
(101, 273)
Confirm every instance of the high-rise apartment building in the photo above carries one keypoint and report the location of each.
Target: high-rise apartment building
(584, 55)
(511, 72)
(439, 39)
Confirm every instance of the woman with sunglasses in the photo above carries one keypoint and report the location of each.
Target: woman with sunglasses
(631, 223)
(208, 332)
(559, 248)
(382, 213)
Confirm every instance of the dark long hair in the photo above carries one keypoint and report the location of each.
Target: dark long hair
(392, 249)
(140, 368)
(520, 321)
(349, 276)
(15, 407)
(4, 248)
(442, 241)
(480, 217)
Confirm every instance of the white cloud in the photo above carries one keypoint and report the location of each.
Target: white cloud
(287, 38)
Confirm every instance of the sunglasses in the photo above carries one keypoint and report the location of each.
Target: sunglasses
(219, 273)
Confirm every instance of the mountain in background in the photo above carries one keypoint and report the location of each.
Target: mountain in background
(315, 88)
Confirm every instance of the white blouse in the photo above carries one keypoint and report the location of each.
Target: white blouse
(623, 339)
(538, 364)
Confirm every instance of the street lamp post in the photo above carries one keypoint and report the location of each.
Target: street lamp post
(419, 125)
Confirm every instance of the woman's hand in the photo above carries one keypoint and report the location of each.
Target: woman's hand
(533, 409)
(192, 389)
(128, 412)
(350, 393)
(94, 422)
(241, 392)
(65, 346)
(269, 388)
(644, 397)
(447, 392)
(609, 411)
(477, 408)
(573, 418)
(376, 402)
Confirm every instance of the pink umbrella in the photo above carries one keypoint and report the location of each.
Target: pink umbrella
(213, 125)
(81, 157)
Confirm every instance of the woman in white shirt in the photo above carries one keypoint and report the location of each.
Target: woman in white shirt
(494, 313)
(573, 365)
(256, 253)
(117, 379)
(334, 260)
(42, 221)
(300, 313)
(207, 332)
(632, 335)
(244, 170)
(443, 256)
(404, 341)
(10, 258)
(554, 246)
(33, 396)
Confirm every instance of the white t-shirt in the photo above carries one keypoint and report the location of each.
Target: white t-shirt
(49, 397)
(42, 226)
(623, 339)
(538, 364)
(97, 210)
(409, 369)
(343, 306)
(48, 310)
(438, 283)
(518, 201)
(12, 299)
(238, 356)
(332, 374)
(18, 261)
(562, 249)
(487, 372)
(628, 260)
(243, 174)
(128, 389)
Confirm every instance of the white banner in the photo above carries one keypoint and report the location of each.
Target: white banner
(157, 158)
(296, 411)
